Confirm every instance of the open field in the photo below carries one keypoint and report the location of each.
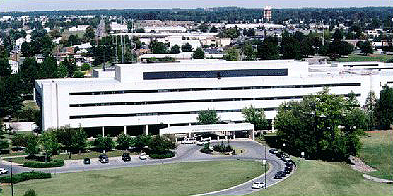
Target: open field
(167, 179)
(376, 57)
(326, 178)
(377, 152)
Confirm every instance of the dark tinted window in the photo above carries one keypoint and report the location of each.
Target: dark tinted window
(214, 74)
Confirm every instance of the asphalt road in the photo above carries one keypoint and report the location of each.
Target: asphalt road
(184, 153)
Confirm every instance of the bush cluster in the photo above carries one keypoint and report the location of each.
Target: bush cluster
(206, 149)
(36, 164)
(168, 154)
(25, 176)
(222, 148)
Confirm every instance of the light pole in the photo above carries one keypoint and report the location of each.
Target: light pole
(12, 183)
(264, 163)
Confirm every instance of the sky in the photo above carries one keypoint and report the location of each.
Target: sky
(48, 5)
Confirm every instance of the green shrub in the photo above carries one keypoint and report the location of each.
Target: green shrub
(222, 148)
(85, 67)
(168, 154)
(206, 149)
(36, 164)
(30, 192)
(25, 176)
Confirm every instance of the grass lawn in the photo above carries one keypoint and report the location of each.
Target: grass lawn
(377, 152)
(167, 179)
(375, 57)
(326, 178)
(115, 153)
(93, 154)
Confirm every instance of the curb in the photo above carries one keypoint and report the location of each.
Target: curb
(213, 192)
(375, 179)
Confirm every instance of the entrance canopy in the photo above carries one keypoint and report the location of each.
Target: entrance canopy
(208, 128)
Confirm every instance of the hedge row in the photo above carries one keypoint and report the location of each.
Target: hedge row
(25, 176)
(36, 164)
(169, 154)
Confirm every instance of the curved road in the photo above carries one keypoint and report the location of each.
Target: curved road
(184, 153)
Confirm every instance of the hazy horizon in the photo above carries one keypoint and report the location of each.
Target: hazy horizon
(48, 5)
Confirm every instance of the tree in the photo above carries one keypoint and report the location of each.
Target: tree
(19, 140)
(160, 145)
(268, 49)
(89, 34)
(248, 51)
(158, 47)
(213, 29)
(198, 54)
(206, 117)
(85, 67)
(49, 143)
(62, 71)
(141, 141)
(104, 143)
(124, 141)
(73, 140)
(32, 147)
(256, 117)
(29, 71)
(78, 74)
(324, 126)
(290, 47)
(48, 68)
(186, 47)
(175, 49)
(366, 48)
(5, 68)
(69, 63)
(231, 55)
(4, 144)
(384, 108)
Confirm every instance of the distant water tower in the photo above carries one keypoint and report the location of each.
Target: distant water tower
(267, 13)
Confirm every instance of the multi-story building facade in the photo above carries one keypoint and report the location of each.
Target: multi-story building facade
(147, 97)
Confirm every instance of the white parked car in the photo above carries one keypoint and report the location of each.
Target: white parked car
(3, 171)
(143, 156)
(258, 185)
(188, 141)
(203, 142)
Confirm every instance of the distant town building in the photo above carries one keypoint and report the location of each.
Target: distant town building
(267, 13)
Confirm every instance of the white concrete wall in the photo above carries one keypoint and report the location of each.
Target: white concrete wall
(56, 98)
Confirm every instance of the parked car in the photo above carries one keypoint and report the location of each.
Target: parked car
(103, 158)
(126, 157)
(280, 175)
(86, 161)
(273, 151)
(203, 142)
(143, 156)
(258, 185)
(279, 154)
(188, 141)
(3, 171)
(288, 169)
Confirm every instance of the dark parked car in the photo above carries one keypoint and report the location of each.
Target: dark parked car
(273, 151)
(280, 175)
(103, 158)
(288, 169)
(86, 161)
(279, 154)
(126, 157)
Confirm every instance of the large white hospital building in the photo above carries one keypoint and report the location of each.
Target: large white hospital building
(147, 97)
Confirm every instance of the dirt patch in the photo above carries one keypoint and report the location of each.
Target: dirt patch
(359, 165)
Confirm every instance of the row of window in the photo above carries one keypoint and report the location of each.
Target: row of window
(183, 101)
(211, 89)
(214, 74)
(155, 113)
